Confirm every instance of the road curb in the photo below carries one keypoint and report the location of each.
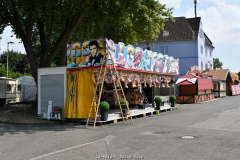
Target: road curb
(22, 123)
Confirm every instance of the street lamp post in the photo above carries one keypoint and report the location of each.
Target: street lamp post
(8, 54)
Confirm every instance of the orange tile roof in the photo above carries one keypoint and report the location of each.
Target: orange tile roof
(218, 74)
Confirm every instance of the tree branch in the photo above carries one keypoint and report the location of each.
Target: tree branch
(44, 45)
(50, 29)
(68, 31)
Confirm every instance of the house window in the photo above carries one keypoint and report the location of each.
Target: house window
(206, 52)
(210, 53)
(201, 65)
(201, 49)
(164, 49)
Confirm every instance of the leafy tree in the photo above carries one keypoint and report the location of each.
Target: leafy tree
(217, 63)
(17, 62)
(238, 75)
(46, 28)
(13, 57)
(22, 66)
(3, 71)
(14, 75)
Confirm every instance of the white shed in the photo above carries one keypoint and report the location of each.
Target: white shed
(51, 87)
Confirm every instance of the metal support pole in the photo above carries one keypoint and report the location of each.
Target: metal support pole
(8, 54)
(7, 57)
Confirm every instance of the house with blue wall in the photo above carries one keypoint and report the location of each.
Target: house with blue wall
(184, 39)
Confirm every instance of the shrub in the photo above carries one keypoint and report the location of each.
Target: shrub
(104, 106)
(172, 98)
(123, 104)
(158, 100)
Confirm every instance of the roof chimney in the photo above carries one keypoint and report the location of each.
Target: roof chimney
(195, 7)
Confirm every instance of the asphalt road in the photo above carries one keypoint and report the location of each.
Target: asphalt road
(206, 131)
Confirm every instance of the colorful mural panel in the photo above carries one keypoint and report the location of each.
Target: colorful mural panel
(234, 76)
(91, 52)
(88, 53)
(235, 89)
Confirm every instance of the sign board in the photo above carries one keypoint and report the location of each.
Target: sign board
(91, 52)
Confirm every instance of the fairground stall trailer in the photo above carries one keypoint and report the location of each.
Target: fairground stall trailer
(10, 91)
(70, 90)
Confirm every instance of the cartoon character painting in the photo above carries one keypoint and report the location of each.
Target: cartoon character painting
(111, 49)
(143, 60)
(120, 59)
(169, 63)
(148, 60)
(165, 64)
(174, 66)
(137, 59)
(153, 60)
(129, 57)
(158, 66)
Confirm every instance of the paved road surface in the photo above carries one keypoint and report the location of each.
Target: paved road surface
(214, 128)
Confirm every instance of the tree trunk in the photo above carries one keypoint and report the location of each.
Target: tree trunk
(62, 60)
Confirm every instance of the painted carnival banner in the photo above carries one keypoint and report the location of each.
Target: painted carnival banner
(235, 89)
(234, 76)
(91, 52)
(88, 53)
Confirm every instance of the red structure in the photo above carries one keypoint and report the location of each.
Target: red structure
(235, 87)
(194, 88)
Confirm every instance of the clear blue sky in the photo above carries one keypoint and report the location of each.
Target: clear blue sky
(220, 19)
